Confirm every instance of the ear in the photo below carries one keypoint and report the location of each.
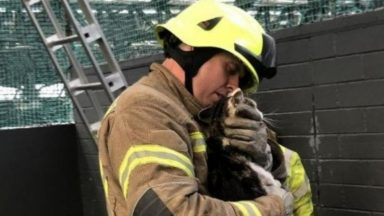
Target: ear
(237, 97)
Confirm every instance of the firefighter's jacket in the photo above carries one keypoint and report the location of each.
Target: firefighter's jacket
(153, 156)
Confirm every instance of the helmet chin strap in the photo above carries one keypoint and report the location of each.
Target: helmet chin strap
(190, 61)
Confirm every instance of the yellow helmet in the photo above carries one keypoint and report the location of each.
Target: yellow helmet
(208, 23)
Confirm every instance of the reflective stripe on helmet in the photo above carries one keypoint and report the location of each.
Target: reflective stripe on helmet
(264, 65)
(145, 154)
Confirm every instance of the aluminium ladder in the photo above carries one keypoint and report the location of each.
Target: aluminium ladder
(110, 84)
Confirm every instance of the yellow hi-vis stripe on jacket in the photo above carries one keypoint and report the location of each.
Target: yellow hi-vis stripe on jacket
(297, 182)
(247, 208)
(111, 107)
(198, 142)
(145, 154)
(104, 180)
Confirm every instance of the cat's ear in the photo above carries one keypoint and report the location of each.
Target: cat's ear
(238, 96)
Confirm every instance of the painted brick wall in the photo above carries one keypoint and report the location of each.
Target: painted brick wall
(326, 102)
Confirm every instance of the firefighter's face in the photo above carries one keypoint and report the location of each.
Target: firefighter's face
(216, 78)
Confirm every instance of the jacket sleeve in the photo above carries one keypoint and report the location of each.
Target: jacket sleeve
(298, 183)
(151, 166)
(292, 172)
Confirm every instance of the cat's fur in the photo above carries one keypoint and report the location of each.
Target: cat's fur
(233, 174)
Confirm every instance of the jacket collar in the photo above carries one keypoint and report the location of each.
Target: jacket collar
(161, 79)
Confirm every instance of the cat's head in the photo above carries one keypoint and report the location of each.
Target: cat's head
(235, 104)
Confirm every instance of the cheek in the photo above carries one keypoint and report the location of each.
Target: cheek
(215, 82)
(200, 89)
(208, 83)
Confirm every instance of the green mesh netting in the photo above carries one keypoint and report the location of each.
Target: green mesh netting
(31, 92)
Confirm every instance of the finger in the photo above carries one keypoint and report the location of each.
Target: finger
(241, 134)
(255, 149)
(236, 122)
(242, 145)
(247, 111)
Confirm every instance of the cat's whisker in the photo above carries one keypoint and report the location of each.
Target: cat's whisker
(270, 122)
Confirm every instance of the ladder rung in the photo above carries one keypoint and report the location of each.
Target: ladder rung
(114, 82)
(55, 40)
(31, 2)
(91, 33)
(76, 85)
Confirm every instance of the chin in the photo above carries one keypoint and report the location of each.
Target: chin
(213, 102)
(209, 101)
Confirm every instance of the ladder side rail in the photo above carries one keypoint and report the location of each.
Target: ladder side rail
(89, 52)
(91, 95)
(52, 17)
(108, 54)
(77, 66)
(74, 62)
(58, 68)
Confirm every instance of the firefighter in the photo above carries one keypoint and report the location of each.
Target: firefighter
(151, 148)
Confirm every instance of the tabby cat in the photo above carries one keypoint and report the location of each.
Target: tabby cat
(234, 174)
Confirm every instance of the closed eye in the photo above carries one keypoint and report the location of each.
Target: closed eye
(234, 68)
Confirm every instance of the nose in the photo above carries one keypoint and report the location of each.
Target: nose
(233, 82)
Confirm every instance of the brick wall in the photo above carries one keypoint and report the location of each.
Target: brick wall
(326, 102)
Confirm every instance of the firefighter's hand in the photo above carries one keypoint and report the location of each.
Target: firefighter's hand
(247, 132)
(286, 196)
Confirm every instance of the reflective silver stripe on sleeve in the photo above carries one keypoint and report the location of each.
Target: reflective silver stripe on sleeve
(145, 154)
